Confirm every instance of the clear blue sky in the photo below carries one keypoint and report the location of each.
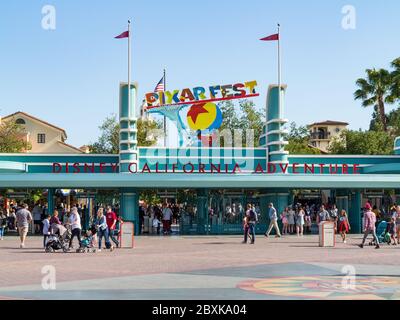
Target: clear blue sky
(70, 76)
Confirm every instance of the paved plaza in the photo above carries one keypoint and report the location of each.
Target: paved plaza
(207, 268)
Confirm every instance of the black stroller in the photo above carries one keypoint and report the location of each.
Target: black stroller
(58, 239)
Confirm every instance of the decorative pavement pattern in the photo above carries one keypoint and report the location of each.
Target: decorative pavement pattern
(204, 268)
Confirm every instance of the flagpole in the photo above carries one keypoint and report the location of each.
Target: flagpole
(165, 118)
(129, 66)
(279, 72)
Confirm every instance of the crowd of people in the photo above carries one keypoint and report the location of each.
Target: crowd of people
(105, 225)
(298, 219)
(165, 215)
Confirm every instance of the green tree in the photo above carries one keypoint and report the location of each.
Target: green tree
(251, 119)
(298, 138)
(376, 90)
(395, 90)
(362, 142)
(148, 132)
(108, 142)
(11, 138)
(246, 117)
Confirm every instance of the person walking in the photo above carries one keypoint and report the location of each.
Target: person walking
(101, 225)
(344, 225)
(24, 217)
(111, 218)
(76, 227)
(250, 224)
(273, 216)
(369, 226)
(3, 223)
(334, 215)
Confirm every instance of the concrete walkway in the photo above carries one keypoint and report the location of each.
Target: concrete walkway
(207, 268)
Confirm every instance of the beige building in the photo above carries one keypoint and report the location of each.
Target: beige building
(323, 133)
(43, 136)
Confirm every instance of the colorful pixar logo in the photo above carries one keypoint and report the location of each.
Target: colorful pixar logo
(203, 115)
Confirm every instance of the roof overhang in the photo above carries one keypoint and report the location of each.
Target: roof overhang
(152, 181)
(11, 167)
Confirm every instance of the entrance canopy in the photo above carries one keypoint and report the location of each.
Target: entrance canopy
(153, 181)
(12, 167)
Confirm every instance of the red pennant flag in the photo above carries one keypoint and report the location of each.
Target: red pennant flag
(274, 37)
(123, 35)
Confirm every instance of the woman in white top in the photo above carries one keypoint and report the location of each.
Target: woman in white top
(76, 228)
(300, 222)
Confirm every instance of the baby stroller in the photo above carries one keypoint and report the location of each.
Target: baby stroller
(88, 243)
(380, 233)
(58, 239)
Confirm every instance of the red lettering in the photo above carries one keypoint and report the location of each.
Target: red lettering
(87, 168)
(174, 167)
(356, 169)
(284, 168)
(146, 168)
(114, 167)
(130, 167)
(345, 169)
(236, 168)
(321, 170)
(76, 168)
(66, 167)
(295, 168)
(191, 170)
(202, 168)
(215, 168)
(331, 169)
(259, 169)
(273, 166)
(57, 167)
(309, 168)
(102, 167)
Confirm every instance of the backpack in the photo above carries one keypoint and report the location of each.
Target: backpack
(252, 216)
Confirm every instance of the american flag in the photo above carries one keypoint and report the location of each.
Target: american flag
(160, 85)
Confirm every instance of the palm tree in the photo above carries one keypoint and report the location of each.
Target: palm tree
(395, 95)
(375, 90)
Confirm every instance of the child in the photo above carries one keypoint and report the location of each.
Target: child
(156, 224)
(46, 229)
(344, 225)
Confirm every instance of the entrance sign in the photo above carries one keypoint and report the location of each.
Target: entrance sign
(201, 95)
(203, 115)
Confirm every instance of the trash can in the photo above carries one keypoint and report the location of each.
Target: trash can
(327, 234)
(127, 235)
